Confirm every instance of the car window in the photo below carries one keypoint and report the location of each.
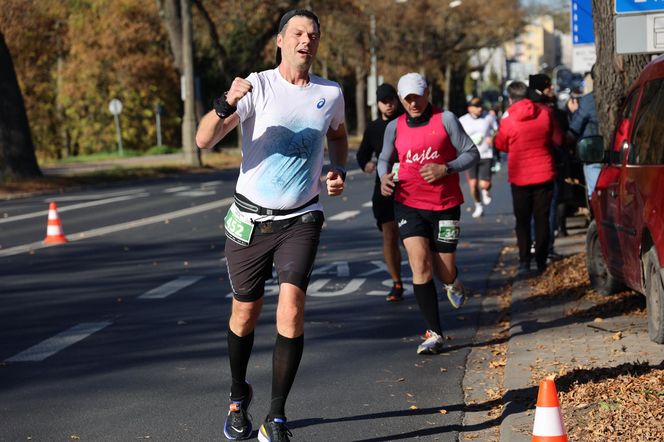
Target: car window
(647, 146)
(622, 130)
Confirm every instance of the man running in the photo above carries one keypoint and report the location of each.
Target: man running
(286, 113)
(480, 127)
(383, 206)
(432, 148)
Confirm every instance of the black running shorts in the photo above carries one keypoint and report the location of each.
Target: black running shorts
(291, 248)
(382, 206)
(481, 170)
(440, 227)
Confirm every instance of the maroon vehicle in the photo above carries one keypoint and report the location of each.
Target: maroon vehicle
(625, 241)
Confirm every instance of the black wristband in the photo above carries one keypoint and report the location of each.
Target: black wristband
(341, 171)
(222, 108)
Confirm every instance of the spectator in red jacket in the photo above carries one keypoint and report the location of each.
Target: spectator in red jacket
(528, 132)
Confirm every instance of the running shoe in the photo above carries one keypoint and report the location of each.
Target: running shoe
(486, 197)
(396, 294)
(456, 294)
(432, 345)
(479, 210)
(238, 422)
(274, 430)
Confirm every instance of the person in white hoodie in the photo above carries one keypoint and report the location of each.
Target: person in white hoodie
(480, 126)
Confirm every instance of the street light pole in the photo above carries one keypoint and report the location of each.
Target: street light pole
(373, 82)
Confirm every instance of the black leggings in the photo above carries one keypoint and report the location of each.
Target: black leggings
(532, 202)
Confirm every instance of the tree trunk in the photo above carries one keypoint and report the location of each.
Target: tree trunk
(17, 153)
(170, 13)
(191, 152)
(613, 73)
(360, 99)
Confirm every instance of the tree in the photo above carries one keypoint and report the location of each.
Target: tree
(17, 153)
(613, 73)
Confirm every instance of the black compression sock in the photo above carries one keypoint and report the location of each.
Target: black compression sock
(239, 351)
(427, 300)
(285, 362)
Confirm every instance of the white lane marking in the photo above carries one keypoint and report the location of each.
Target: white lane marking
(341, 268)
(59, 342)
(122, 226)
(367, 204)
(352, 286)
(176, 189)
(94, 196)
(212, 183)
(171, 287)
(74, 207)
(344, 215)
(197, 193)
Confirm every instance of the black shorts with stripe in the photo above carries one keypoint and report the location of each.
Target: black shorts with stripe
(289, 245)
(441, 227)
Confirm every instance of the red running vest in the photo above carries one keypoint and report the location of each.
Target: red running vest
(417, 146)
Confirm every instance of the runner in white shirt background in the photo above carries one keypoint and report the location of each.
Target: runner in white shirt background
(480, 126)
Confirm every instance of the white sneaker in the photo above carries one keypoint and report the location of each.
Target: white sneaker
(486, 198)
(456, 293)
(479, 210)
(432, 345)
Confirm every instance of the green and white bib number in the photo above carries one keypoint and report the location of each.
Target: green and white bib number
(238, 228)
(395, 171)
(448, 231)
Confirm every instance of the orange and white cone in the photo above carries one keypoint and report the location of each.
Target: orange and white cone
(548, 425)
(54, 233)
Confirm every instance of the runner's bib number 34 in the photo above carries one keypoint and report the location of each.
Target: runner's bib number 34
(448, 231)
(237, 228)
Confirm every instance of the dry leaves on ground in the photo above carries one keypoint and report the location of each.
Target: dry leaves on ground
(624, 403)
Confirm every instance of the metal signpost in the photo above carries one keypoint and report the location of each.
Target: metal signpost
(115, 107)
(158, 111)
(583, 36)
(639, 26)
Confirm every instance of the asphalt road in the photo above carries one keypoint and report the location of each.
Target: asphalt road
(119, 335)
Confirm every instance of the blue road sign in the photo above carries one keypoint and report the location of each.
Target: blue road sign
(582, 22)
(635, 6)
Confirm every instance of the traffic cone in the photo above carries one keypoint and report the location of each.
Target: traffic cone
(54, 234)
(548, 425)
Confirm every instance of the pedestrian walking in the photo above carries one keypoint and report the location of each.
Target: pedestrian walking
(528, 132)
(383, 206)
(480, 126)
(584, 123)
(286, 113)
(432, 148)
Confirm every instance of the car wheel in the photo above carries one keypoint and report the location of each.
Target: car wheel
(600, 278)
(654, 285)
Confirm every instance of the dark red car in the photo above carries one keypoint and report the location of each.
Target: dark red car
(625, 241)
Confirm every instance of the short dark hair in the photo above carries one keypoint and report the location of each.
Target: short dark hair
(517, 90)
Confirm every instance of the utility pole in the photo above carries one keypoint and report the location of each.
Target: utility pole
(191, 151)
(373, 76)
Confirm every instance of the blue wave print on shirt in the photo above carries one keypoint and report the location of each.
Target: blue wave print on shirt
(289, 159)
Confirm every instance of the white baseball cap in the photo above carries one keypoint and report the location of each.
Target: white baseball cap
(412, 83)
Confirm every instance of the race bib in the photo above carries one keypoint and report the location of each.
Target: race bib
(238, 228)
(448, 231)
(395, 171)
(477, 138)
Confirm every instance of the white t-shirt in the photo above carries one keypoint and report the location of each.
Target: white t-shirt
(479, 129)
(284, 128)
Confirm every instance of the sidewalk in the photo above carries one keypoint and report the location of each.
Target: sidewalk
(558, 334)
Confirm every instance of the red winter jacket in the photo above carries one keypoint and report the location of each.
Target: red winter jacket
(528, 131)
